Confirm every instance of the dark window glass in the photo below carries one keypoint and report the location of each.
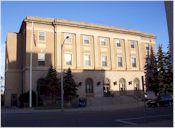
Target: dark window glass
(132, 44)
(41, 63)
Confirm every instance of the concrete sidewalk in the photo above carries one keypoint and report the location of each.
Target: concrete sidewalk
(92, 108)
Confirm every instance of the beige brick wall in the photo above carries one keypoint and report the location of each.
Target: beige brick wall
(18, 51)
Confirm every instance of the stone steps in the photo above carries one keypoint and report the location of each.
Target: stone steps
(101, 101)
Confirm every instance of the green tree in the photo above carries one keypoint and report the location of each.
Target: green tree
(154, 73)
(147, 72)
(168, 72)
(161, 69)
(70, 87)
(151, 73)
(24, 99)
(52, 82)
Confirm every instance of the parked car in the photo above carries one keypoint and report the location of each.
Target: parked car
(149, 95)
(165, 100)
(82, 102)
(151, 103)
(162, 100)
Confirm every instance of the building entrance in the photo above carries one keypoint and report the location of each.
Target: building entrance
(122, 86)
(106, 87)
(14, 100)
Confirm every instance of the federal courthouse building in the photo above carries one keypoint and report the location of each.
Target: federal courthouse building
(103, 59)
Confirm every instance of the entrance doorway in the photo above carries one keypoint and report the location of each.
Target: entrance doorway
(122, 86)
(89, 87)
(136, 84)
(14, 100)
(106, 87)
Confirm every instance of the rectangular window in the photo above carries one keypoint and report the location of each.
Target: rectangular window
(117, 43)
(132, 43)
(68, 40)
(133, 61)
(104, 60)
(42, 36)
(103, 41)
(147, 48)
(120, 64)
(86, 39)
(41, 59)
(87, 61)
(68, 58)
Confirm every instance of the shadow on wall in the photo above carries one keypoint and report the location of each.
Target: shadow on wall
(17, 74)
(91, 83)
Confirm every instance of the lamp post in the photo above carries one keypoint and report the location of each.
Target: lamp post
(62, 89)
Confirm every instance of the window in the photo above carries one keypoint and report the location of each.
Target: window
(133, 61)
(104, 60)
(41, 59)
(68, 58)
(87, 61)
(42, 36)
(117, 42)
(147, 48)
(120, 64)
(103, 41)
(86, 39)
(132, 43)
(89, 85)
(68, 40)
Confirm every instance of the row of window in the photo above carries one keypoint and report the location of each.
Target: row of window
(86, 40)
(86, 59)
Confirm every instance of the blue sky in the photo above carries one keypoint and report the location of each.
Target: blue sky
(143, 16)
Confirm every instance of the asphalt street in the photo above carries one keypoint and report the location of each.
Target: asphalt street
(137, 117)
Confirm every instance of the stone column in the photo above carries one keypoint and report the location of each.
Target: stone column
(96, 53)
(78, 51)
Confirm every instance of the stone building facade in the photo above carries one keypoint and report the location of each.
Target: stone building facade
(103, 59)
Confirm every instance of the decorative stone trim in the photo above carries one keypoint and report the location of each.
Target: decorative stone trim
(87, 26)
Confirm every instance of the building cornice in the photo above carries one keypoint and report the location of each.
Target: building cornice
(51, 21)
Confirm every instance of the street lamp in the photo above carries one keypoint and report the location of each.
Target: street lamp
(62, 89)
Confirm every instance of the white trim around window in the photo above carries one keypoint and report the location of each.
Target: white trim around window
(68, 58)
(132, 43)
(87, 59)
(133, 61)
(104, 41)
(41, 36)
(41, 59)
(86, 39)
(119, 61)
(104, 61)
(117, 42)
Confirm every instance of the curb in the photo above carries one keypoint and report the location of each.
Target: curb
(98, 108)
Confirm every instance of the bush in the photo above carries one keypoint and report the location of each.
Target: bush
(24, 99)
